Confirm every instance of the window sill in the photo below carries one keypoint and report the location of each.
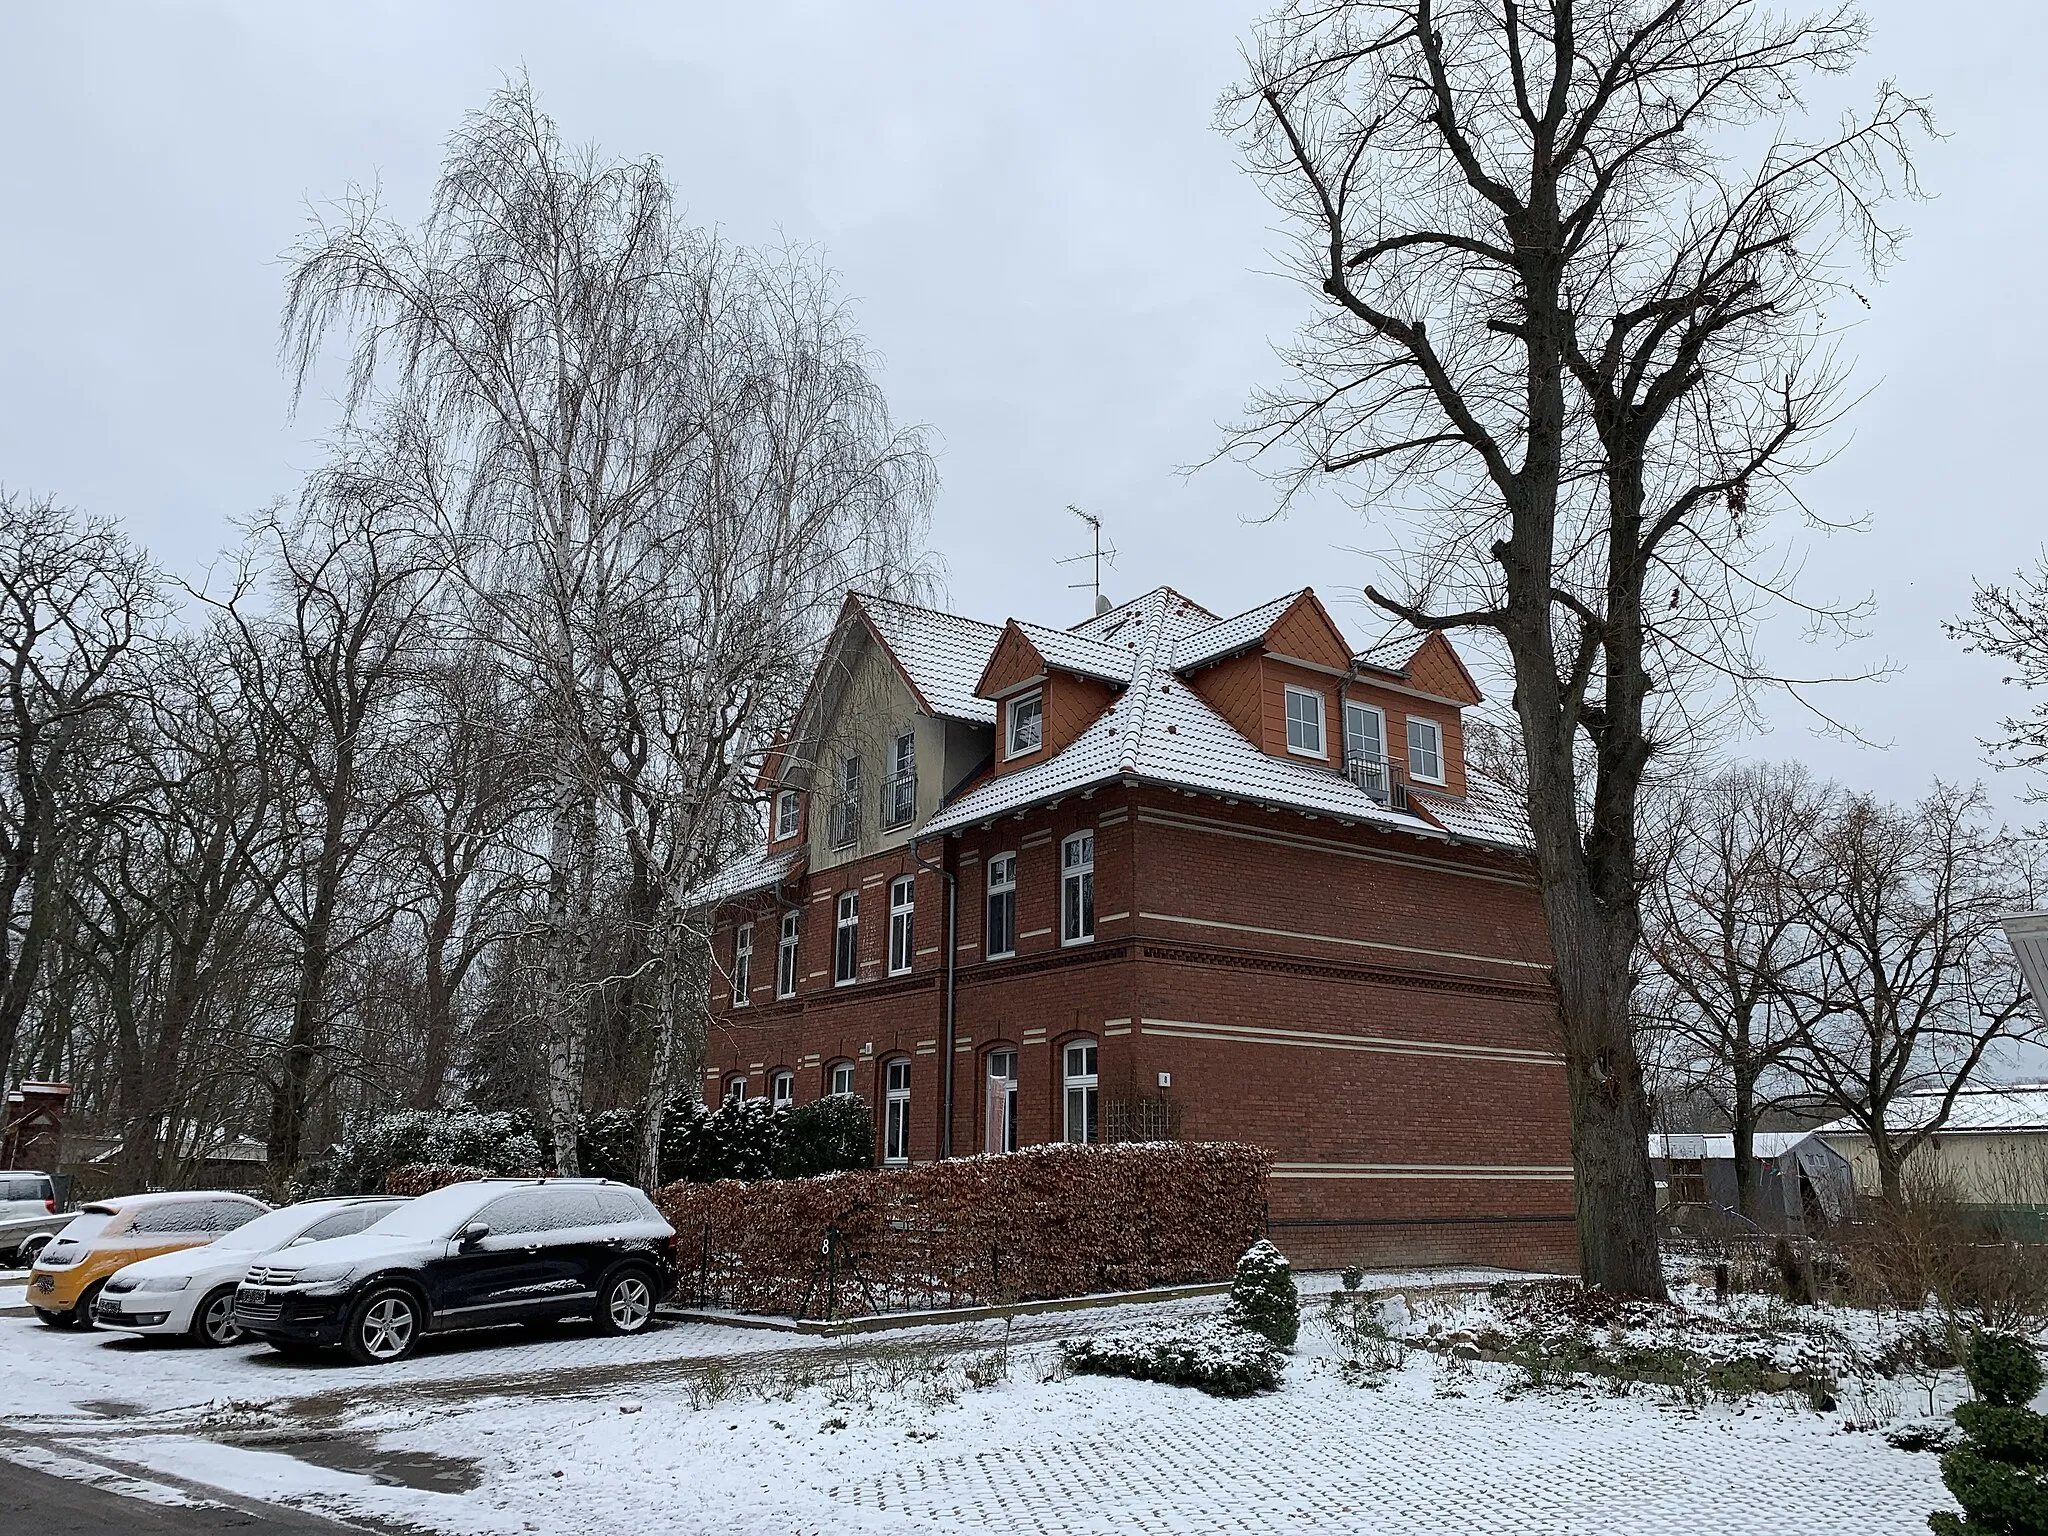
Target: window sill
(1005, 954)
(1318, 755)
(1423, 778)
(851, 981)
(904, 972)
(1085, 939)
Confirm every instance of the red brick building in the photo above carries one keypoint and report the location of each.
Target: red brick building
(1160, 874)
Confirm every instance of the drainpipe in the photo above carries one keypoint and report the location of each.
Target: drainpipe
(952, 956)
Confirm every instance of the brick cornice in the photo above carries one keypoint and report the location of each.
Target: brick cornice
(1337, 970)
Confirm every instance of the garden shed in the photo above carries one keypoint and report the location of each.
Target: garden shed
(1802, 1183)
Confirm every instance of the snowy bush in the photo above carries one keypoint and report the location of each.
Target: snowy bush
(1220, 1358)
(1999, 1474)
(1262, 1295)
(498, 1143)
(733, 1141)
(830, 1135)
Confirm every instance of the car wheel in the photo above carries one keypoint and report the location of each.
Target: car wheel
(384, 1326)
(54, 1319)
(213, 1320)
(625, 1302)
(31, 1249)
(81, 1313)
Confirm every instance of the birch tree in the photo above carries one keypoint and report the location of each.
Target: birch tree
(1586, 343)
(599, 391)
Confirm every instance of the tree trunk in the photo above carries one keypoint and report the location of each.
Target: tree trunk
(572, 855)
(292, 1096)
(439, 1043)
(1743, 1124)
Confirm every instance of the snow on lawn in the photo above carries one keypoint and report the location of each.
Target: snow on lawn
(939, 1430)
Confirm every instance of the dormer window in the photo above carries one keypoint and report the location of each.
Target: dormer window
(785, 814)
(1305, 722)
(1425, 750)
(1026, 716)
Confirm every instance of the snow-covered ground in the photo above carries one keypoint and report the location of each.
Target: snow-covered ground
(702, 1428)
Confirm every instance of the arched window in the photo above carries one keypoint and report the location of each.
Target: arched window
(1000, 1134)
(902, 908)
(743, 966)
(782, 1090)
(846, 940)
(1083, 1093)
(839, 1077)
(785, 956)
(736, 1090)
(896, 1111)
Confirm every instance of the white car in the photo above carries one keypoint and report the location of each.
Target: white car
(192, 1291)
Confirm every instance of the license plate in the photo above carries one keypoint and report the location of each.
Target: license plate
(254, 1298)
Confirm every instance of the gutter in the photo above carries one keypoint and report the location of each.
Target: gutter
(952, 961)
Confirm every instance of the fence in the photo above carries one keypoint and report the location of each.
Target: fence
(1048, 1222)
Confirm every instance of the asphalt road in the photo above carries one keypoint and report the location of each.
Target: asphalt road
(57, 1506)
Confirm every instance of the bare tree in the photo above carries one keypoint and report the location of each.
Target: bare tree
(1724, 934)
(2010, 622)
(1590, 350)
(600, 394)
(1910, 982)
(75, 599)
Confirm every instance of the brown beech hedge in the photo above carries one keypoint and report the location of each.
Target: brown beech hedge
(1051, 1221)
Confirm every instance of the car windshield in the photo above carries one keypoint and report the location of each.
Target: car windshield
(438, 1213)
(273, 1229)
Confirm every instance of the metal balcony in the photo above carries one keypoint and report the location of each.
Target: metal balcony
(1378, 777)
(899, 799)
(844, 822)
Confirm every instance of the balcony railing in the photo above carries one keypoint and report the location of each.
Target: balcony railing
(844, 821)
(899, 799)
(1378, 777)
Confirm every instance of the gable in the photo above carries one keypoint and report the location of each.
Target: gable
(1015, 660)
(1306, 632)
(1435, 669)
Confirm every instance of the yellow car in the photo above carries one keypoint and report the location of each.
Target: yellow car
(107, 1235)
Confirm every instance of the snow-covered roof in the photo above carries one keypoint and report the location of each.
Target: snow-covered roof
(1220, 639)
(1161, 731)
(1482, 817)
(1065, 651)
(942, 654)
(1995, 1107)
(757, 871)
(1714, 1148)
(1394, 652)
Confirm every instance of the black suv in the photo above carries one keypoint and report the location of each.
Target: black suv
(471, 1255)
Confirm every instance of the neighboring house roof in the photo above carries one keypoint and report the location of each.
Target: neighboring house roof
(756, 871)
(942, 654)
(1161, 731)
(1713, 1148)
(1483, 816)
(1991, 1109)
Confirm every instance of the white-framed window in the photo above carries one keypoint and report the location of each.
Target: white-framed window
(782, 1090)
(1365, 732)
(1077, 889)
(846, 940)
(1026, 717)
(1002, 906)
(1000, 1124)
(896, 1111)
(785, 955)
(1425, 750)
(736, 1090)
(785, 814)
(899, 791)
(1083, 1092)
(1304, 722)
(902, 908)
(840, 1078)
(743, 966)
(846, 805)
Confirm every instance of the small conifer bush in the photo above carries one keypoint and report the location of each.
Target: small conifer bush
(1999, 1474)
(1263, 1297)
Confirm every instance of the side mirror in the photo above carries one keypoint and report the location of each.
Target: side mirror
(472, 1234)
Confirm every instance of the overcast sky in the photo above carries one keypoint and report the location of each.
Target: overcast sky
(1052, 250)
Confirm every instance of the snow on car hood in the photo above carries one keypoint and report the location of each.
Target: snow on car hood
(356, 1248)
(191, 1263)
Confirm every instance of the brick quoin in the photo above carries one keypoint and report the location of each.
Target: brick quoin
(1371, 1006)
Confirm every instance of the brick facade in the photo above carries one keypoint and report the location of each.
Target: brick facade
(1370, 1005)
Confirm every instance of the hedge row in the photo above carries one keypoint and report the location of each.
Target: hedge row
(1048, 1222)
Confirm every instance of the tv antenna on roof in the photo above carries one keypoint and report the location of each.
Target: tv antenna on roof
(1094, 558)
